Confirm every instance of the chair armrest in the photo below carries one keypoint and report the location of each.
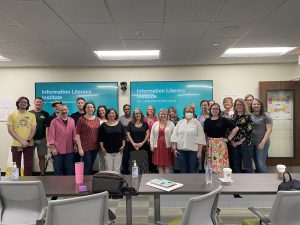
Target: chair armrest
(39, 222)
(262, 217)
(160, 223)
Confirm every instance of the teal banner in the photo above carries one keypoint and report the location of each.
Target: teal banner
(163, 94)
(100, 93)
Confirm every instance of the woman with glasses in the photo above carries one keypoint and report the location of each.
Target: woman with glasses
(187, 140)
(242, 148)
(215, 128)
(138, 135)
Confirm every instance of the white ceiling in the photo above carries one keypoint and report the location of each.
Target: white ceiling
(66, 32)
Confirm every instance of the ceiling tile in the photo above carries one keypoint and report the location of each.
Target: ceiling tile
(140, 30)
(76, 11)
(96, 31)
(267, 42)
(136, 10)
(51, 32)
(29, 12)
(14, 33)
(142, 44)
(191, 10)
(229, 29)
(105, 44)
(273, 29)
(208, 43)
(69, 46)
(247, 10)
(289, 11)
(185, 30)
(180, 43)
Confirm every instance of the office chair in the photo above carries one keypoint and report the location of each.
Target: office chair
(285, 210)
(22, 202)
(200, 210)
(85, 210)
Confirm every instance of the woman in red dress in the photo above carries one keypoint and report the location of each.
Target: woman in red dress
(160, 142)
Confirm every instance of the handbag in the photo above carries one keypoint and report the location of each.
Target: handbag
(289, 185)
(114, 184)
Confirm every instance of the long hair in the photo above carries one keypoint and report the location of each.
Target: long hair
(133, 116)
(218, 107)
(243, 104)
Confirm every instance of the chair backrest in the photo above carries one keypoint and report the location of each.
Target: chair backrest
(85, 210)
(202, 210)
(286, 208)
(22, 202)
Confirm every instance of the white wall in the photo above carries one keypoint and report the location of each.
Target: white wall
(235, 79)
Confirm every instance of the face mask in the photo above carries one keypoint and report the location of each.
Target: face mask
(188, 115)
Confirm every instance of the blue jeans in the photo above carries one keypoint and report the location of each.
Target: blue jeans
(89, 158)
(188, 161)
(260, 157)
(242, 154)
(64, 164)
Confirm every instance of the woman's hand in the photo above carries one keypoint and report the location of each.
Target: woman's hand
(261, 146)
(81, 152)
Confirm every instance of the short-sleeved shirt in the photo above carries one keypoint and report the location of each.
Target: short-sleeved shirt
(217, 128)
(76, 116)
(259, 126)
(124, 121)
(112, 137)
(88, 131)
(138, 134)
(22, 124)
(41, 118)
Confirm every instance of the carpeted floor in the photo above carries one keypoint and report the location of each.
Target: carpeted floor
(143, 212)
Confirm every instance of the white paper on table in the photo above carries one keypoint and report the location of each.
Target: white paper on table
(168, 189)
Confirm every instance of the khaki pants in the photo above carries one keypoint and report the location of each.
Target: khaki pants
(113, 161)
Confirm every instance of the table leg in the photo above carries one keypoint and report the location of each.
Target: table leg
(156, 208)
(128, 210)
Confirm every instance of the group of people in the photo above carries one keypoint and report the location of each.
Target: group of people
(229, 138)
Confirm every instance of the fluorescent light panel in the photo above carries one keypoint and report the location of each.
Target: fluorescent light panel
(4, 59)
(128, 55)
(257, 52)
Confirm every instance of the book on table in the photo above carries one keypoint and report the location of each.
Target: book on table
(163, 182)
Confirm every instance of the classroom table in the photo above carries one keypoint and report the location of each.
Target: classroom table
(194, 184)
(65, 186)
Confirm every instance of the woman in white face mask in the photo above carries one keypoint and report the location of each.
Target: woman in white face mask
(187, 140)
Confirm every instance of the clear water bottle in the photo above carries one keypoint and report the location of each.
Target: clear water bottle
(135, 169)
(15, 172)
(208, 174)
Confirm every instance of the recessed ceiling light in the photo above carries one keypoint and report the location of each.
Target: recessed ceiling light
(256, 52)
(128, 55)
(4, 59)
(216, 44)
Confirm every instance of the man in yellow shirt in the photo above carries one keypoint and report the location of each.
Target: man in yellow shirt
(21, 125)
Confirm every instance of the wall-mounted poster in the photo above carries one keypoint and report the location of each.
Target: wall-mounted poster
(164, 94)
(7, 105)
(280, 104)
(100, 93)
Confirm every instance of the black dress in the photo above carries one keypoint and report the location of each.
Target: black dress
(138, 134)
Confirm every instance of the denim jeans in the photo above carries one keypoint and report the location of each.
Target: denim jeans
(188, 161)
(260, 157)
(64, 164)
(89, 158)
(242, 154)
